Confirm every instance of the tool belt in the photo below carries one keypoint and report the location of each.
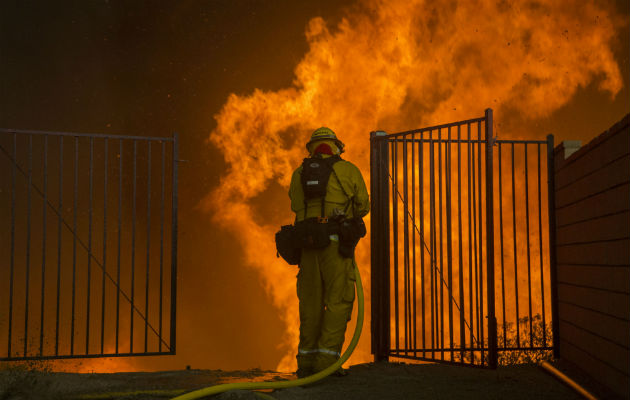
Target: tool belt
(311, 233)
(314, 233)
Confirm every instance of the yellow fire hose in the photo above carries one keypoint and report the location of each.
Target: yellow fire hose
(296, 382)
(211, 390)
(567, 381)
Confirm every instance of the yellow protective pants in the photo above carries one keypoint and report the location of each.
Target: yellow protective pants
(325, 289)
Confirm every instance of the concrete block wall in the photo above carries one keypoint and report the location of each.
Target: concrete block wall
(593, 255)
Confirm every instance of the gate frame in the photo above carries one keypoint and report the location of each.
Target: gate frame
(174, 139)
(380, 241)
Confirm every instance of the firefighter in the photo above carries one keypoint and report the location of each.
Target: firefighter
(325, 282)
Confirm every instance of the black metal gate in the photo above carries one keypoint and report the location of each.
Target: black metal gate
(452, 233)
(88, 245)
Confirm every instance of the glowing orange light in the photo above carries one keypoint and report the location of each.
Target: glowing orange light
(396, 65)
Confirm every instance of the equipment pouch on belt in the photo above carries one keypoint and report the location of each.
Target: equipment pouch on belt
(287, 245)
(312, 233)
(350, 232)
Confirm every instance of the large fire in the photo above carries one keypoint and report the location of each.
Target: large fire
(397, 65)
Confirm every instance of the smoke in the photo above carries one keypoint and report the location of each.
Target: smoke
(397, 65)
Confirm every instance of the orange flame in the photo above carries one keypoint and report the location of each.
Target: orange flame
(397, 65)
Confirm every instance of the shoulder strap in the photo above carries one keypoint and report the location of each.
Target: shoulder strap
(331, 161)
(350, 198)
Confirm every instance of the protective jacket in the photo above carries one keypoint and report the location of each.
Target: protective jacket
(325, 282)
(346, 191)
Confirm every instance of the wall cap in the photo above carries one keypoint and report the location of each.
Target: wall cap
(568, 147)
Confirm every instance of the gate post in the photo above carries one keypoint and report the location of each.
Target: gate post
(379, 236)
(492, 321)
(551, 195)
(174, 232)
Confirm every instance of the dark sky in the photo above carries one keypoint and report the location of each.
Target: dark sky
(152, 68)
(144, 69)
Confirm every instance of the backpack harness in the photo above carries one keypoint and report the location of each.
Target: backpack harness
(316, 172)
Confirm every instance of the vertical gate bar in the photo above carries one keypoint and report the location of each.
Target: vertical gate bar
(174, 244)
(432, 234)
(74, 239)
(106, 144)
(133, 245)
(386, 277)
(481, 324)
(89, 255)
(441, 244)
(432, 239)
(423, 244)
(501, 240)
(449, 241)
(492, 322)
(12, 255)
(59, 214)
(405, 246)
(478, 247)
(413, 241)
(470, 248)
(376, 249)
(462, 309)
(551, 194)
(409, 217)
(540, 254)
(28, 239)
(120, 175)
(409, 256)
(475, 253)
(529, 269)
(395, 221)
(436, 303)
(518, 330)
(146, 290)
(161, 245)
(409, 261)
(44, 204)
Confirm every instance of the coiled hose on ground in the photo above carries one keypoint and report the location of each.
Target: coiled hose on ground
(296, 382)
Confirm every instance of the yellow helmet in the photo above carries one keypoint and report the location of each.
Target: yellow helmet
(325, 133)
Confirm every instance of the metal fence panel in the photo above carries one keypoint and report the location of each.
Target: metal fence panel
(88, 240)
(437, 195)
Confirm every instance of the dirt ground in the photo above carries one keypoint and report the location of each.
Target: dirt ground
(364, 381)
